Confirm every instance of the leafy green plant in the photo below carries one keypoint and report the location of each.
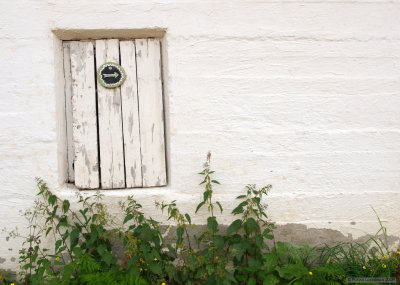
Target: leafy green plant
(82, 240)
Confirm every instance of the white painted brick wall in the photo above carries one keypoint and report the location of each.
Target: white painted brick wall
(304, 95)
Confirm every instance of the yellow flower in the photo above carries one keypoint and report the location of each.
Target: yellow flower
(141, 260)
(155, 259)
(195, 251)
(145, 269)
(384, 257)
(57, 258)
(379, 258)
(364, 267)
(384, 265)
(1, 277)
(216, 258)
(327, 262)
(310, 273)
(163, 283)
(398, 252)
(12, 284)
(141, 269)
(372, 270)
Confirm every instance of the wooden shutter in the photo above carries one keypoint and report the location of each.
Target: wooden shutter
(115, 136)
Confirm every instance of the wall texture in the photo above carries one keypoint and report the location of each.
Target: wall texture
(304, 95)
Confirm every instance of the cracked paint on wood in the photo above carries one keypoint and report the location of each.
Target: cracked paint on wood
(130, 116)
(110, 122)
(151, 117)
(84, 115)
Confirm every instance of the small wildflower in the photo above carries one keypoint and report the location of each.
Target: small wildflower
(372, 270)
(1, 277)
(398, 252)
(141, 269)
(155, 259)
(12, 284)
(364, 267)
(216, 258)
(163, 283)
(379, 258)
(384, 257)
(145, 269)
(327, 262)
(384, 265)
(195, 251)
(310, 273)
(57, 258)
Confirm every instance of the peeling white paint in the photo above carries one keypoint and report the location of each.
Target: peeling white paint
(300, 94)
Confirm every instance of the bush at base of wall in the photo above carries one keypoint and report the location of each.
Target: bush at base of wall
(246, 253)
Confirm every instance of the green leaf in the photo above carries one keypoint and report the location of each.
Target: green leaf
(155, 268)
(219, 205)
(250, 226)
(58, 244)
(234, 227)
(101, 249)
(53, 213)
(266, 234)
(127, 218)
(219, 242)
(52, 199)
(241, 197)
(173, 212)
(255, 264)
(48, 230)
(107, 257)
(215, 181)
(252, 281)
(77, 252)
(206, 194)
(188, 218)
(238, 249)
(179, 234)
(212, 224)
(74, 237)
(199, 206)
(271, 280)
(65, 206)
(230, 277)
(239, 208)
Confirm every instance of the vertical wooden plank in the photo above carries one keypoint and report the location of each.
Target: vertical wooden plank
(68, 109)
(130, 116)
(84, 125)
(151, 114)
(110, 122)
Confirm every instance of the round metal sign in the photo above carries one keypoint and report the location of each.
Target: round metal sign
(111, 75)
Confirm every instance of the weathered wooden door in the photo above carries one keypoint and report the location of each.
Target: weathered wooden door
(115, 136)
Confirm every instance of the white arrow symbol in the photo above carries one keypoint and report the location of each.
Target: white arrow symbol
(115, 75)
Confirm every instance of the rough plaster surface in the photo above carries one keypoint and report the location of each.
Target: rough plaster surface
(300, 94)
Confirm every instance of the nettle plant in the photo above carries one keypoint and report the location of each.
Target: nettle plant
(243, 252)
